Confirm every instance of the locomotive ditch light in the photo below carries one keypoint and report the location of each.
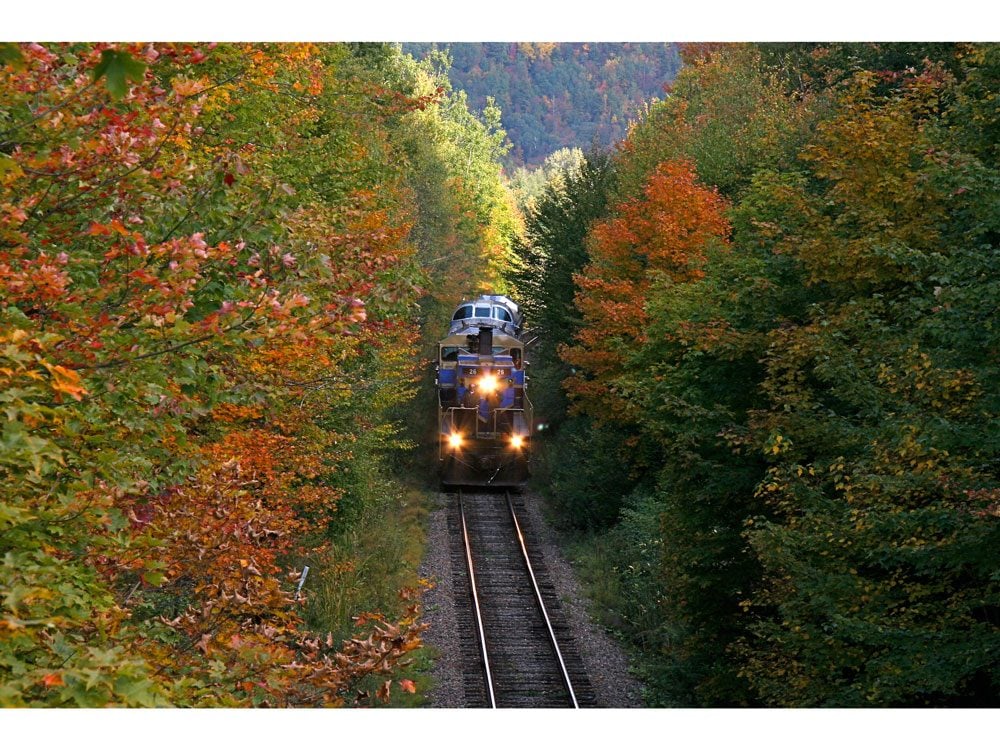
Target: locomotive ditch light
(455, 440)
(516, 441)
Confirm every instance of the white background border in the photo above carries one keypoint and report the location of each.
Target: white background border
(502, 20)
(513, 20)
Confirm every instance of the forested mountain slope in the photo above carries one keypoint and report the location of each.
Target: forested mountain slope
(558, 95)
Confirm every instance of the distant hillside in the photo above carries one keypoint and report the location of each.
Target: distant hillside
(558, 95)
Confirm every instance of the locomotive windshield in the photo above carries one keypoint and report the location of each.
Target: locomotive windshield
(486, 308)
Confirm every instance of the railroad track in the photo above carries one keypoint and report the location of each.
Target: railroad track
(518, 652)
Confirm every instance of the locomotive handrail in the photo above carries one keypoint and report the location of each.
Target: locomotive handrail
(449, 412)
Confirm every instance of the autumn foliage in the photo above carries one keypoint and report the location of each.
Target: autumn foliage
(658, 238)
(786, 390)
(207, 281)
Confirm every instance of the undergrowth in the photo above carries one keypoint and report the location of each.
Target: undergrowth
(372, 567)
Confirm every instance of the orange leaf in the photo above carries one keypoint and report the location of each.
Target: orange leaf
(53, 680)
(66, 381)
(408, 686)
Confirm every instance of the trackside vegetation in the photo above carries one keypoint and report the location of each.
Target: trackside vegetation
(781, 376)
(213, 266)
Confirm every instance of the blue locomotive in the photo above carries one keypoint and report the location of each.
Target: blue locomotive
(484, 415)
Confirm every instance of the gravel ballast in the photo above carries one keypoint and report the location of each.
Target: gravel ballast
(604, 660)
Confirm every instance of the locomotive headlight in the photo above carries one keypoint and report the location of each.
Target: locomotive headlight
(488, 383)
(516, 441)
(455, 440)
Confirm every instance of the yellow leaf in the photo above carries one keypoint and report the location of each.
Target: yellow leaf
(66, 381)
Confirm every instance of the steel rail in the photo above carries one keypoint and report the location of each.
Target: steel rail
(541, 604)
(475, 603)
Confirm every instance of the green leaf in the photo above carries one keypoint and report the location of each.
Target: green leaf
(12, 516)
(117, 520)
(117, 67)
(137, 691)
(153, 579)
(10, 54)
(9, 167)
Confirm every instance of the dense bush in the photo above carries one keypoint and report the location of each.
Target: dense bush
(588, 474)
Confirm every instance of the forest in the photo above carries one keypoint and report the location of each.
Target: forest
(771, 367)
(214, 264)
(767, 363)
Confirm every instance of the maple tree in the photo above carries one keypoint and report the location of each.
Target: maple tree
(727, 112)
(659, 237)
(461, 198)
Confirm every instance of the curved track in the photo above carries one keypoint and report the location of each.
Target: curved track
(518, 652)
